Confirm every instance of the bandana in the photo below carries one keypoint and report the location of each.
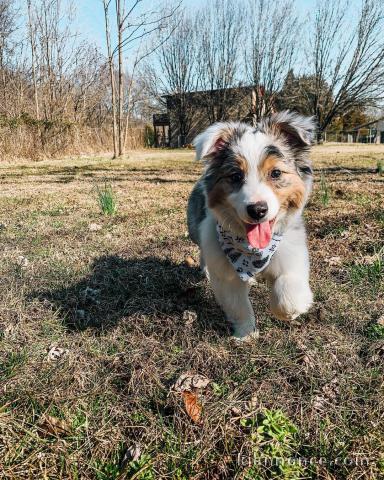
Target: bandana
(245, 259)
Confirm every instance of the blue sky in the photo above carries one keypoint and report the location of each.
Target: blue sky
(90, 16)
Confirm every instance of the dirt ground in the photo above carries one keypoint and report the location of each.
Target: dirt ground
(99, 316)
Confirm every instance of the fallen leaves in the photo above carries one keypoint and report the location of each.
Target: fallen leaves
(189, 317)
(22, 261)
(328, 394)
(54, 426)
(190, 261)
(333, 261)
(188, 382)
(55, 353)
(94, 227)
(192, 406)
(189, 386)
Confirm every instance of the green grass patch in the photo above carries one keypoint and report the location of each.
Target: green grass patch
(113, 469)
(11, 363)
(107, 199)
(370, 272)
(375, 331)
(274, 443)
(325, 194)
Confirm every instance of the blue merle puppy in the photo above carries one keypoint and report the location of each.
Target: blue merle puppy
(245, 213)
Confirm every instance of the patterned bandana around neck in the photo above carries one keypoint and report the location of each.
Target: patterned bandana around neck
(246, 260)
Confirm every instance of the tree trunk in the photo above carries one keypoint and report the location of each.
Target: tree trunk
(120, 74)
(33, 58)
(112, 77)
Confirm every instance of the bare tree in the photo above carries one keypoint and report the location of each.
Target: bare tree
(219, 26)
(54, 86)
(120, 19)
(172, 74)
(269, 51)
(134, 23)
(31, 28)
(349, 58)
(7, 28)
(106, 4)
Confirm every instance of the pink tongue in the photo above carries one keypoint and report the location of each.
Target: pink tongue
(259, 235)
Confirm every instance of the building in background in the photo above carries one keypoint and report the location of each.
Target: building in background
(370, 132)
(190, 113)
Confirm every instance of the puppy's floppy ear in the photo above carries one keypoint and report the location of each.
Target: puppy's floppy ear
(213, 140)
(297, 130)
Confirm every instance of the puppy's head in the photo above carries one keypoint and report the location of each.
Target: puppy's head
(256, 179)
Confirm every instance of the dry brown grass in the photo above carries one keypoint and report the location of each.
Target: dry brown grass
(36, 142)
(113, 291)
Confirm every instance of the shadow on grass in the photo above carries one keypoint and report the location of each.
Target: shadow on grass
(118, 288)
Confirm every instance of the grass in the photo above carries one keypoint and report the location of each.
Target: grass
(371, 272)
(132, 316)
(274, 441)
(106, 199)
(324, 190)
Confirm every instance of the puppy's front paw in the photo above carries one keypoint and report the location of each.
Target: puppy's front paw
(244, 331)
(290, 297)
(239, 337)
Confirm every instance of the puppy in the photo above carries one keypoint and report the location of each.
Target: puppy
(245, 214)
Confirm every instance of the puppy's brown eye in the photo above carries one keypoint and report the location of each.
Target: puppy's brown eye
(276, 173)
(236, 178)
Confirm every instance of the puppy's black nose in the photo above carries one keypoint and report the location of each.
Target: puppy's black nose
(257, 210)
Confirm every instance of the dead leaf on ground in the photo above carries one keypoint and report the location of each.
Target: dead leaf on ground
(94, 227)
(333, 261)
(191, 262)
(380, 320)
(376, 353)
(22, 261)
(192, 406)
(189, 385)
(188, 382)
(55, 353)
(189, 317)
(236, 411)
(328, 394)
(54, 426)
(132, 454)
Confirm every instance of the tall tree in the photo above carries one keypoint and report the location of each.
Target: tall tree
(299, 91)
(31, 31)
(172, 74)
(219, 26)
(269, 50)
(348, 56)
(134, 22)
(106, 4)
(7, 28)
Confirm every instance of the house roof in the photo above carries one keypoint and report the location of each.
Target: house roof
(199, 92)
(367, 124)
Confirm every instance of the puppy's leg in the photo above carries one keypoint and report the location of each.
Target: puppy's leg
(288, 275)
(290, 297)
(231, 293)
